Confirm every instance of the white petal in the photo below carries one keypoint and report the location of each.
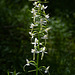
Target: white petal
(47, 16)
(45, 7)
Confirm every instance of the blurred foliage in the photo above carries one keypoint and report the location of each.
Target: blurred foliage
(15, 19)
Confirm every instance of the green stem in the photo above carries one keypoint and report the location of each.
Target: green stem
(38, 49)
(37, 55)
(37, 64)
(8, 72)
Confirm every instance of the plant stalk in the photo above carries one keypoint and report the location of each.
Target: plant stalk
(38, 53)
(37, 64)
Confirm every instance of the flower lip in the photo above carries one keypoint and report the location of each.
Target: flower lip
(46, 70)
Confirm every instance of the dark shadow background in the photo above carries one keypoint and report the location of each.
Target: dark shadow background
(15, 19)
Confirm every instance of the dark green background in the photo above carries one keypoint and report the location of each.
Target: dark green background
(15, 47)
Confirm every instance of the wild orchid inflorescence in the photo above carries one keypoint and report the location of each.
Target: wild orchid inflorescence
(39, 34)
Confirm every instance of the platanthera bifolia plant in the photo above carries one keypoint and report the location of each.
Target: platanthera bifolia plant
(39, 35)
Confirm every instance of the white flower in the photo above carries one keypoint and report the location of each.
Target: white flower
(43, 7)
(36, 40)
(33, 10)
(47, 16)
(28, 63)
(39, 5)
(32, 25)
(44, 37)
(46, 30)
(33, 50)
(43, 51)
(31, 34)
(35, 15)
(46, 70)
(35, 3)
(42, 21)
(35, 43)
